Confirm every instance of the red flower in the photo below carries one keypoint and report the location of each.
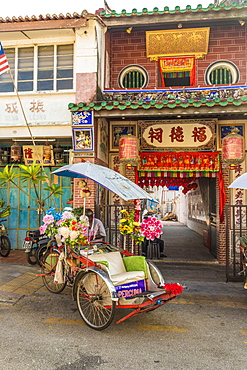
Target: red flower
(173, 288)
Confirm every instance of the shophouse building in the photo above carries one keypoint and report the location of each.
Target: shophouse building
(53, 60)
(176, 79)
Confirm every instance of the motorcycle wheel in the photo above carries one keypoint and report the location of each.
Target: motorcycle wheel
(5, 246)
(245, 279)
(31, 256)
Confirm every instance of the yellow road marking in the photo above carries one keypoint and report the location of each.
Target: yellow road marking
(163, 328)
(243, 332)
(25, 284)
(56, 320)
(211, 300)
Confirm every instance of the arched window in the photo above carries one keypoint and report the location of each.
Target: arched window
(222, 73)
(133, 77)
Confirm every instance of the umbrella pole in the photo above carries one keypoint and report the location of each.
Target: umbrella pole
(124, 242)
(84, 206)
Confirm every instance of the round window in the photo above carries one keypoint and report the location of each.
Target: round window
(222, 73)
(133, 77)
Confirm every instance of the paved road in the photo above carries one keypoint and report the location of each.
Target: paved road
(204, 328)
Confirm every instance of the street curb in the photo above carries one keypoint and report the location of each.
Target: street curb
(9, 298)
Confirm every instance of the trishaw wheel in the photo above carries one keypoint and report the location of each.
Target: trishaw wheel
(94, 301)
(48, 267)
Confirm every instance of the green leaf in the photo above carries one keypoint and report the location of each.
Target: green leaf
(33, 173)
(8, 174)
(54, 189)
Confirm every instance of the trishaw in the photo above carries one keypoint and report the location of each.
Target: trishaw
(104, 277)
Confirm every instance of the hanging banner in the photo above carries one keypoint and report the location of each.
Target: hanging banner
(179, 161)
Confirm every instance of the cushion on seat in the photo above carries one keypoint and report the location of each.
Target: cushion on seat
(127, 277)
(136, 263)
(114, 259)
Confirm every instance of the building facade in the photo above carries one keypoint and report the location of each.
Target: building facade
(176, 79)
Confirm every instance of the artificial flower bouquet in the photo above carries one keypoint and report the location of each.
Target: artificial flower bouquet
(130, 226)
(151, 228)
(65, 227)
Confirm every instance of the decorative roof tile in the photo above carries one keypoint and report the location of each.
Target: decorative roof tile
(177, 10)
(41, 17)
(158, 99)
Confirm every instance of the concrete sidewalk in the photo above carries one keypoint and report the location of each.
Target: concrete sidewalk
(188, 262)
(15, 256)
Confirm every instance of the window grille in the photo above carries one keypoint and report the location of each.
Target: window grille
(222, 72)
(220, 76)
(133, 79)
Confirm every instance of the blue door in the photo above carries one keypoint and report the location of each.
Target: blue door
(24, 215)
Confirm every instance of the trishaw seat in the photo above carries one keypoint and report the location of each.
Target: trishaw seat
(116, 268)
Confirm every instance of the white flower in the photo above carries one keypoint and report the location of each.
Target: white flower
(68, 215)
(64, 232)
(67, 209)
(74, 235)
(84, 220)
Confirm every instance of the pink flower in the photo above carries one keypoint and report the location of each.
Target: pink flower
(42, 229)
(151, 228)
(67, 215)
(48, 219)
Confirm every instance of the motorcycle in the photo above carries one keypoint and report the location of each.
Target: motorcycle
(243, 250)
(5, 245)
(35, 246)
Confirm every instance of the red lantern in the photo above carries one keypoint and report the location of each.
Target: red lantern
(128, 150)
(233, 148)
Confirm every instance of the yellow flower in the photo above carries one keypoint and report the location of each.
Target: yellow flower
(123, 220)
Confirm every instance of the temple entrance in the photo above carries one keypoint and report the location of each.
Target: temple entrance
(187, 206)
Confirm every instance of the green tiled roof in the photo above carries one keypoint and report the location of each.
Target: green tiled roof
(165, 99)
(177, 10)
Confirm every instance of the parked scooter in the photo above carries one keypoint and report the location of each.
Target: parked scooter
(35, 246)
(243, 250)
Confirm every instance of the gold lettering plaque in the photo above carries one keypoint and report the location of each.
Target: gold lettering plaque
(190, 41)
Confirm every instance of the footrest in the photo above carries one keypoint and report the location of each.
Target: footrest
(150, 294)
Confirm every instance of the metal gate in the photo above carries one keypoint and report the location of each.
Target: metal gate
(236, 226)
(24, 214)
(110, 215)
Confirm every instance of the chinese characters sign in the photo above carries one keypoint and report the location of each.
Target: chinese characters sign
(181, 161)
(114, 164)
(190, 41)
(37, 155)
(38, 110)
(177, 134)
